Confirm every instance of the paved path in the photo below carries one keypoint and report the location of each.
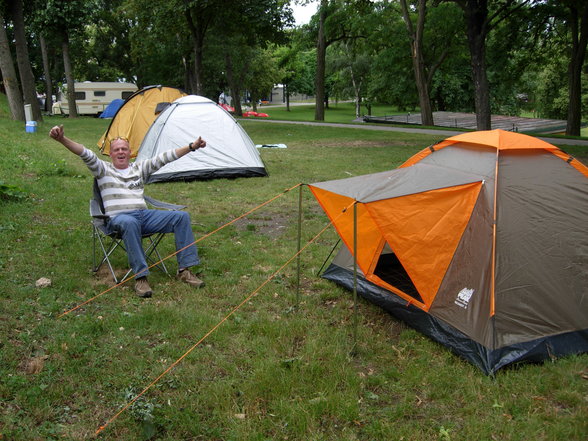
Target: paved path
(441, 133)
(467, 121)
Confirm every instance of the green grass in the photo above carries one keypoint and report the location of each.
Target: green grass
(343, 112)
(270, 372)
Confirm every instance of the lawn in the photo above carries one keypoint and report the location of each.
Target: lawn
(337, 112)
(280, 367)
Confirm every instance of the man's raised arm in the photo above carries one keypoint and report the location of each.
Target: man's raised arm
(57, 134)
(193, 146)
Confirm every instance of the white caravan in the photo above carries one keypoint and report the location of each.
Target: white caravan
(93, 97)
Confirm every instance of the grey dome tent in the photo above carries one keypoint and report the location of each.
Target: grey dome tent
(229, 152)
(478, 242)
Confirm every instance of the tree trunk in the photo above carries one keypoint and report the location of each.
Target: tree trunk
(235, 91)
(418, 60)
(254, 99)
(287, 97)
(321, 55)
(9, 76)
(198, 29)
(476, 12)
(579, 30)
(69, 78)
(357, 89)
(27, 79)
(198, 69)
(47, 71)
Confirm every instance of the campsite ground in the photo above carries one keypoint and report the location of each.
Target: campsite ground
(278, 368)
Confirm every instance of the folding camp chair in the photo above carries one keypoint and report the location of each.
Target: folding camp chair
(107, 243)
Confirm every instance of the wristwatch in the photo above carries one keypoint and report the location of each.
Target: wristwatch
(190, 147)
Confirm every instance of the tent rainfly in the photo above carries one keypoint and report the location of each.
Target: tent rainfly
(229, 151)
(112, 108)
(479, 242)
(136, 115)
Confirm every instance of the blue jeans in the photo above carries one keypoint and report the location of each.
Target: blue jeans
(133, 225)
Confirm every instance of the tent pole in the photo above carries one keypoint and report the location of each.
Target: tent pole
(354, 347)
(299, 245)
(330, 254)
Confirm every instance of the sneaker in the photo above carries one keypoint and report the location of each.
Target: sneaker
(142, 288)
(187, 277)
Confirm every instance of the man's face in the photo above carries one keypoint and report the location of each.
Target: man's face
(120, 153)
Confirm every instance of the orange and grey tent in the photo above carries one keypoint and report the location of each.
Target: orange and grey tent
(479, 242)
(135, 116)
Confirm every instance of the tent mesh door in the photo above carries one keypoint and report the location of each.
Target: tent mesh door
(391, 271)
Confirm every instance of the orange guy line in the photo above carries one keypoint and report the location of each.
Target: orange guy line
(214, 328)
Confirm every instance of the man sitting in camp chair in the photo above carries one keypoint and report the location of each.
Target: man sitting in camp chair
(121, 185)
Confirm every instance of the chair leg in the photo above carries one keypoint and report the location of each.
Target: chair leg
(99, 239)
(152, 249)
(106, 252)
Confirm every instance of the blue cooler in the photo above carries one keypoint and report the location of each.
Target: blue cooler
(31, 127)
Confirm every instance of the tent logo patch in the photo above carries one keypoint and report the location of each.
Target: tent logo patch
(463, 297)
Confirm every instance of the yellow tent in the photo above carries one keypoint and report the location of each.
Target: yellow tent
(137, 114)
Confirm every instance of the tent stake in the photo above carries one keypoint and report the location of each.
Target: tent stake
(354, 347)
(299, 245)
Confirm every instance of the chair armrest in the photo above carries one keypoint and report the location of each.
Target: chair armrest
(163, 205)
(95, 210)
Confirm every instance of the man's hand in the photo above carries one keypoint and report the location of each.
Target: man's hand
(198, 144)
(57, 133)
(192, 147)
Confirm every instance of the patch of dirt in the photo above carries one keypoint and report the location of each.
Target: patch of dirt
(272, 226)
(33, 365)
(104, 277)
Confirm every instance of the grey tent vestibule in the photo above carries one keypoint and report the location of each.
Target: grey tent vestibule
(229, 151)
(480, 242)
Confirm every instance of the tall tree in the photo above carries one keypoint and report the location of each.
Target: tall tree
(9, 78)
(237, 61)
(265, 21)
(69, 77)
(415, 33)
(335, 19)
(321, 60)
(479, 22)
(578, 24)
(296, 67)
(27, 79)
(47, 73)
(391, 78)
(63, 18)
(262, 75)
(105, 45)
(352, 66)
(156, 55)
(200, 14)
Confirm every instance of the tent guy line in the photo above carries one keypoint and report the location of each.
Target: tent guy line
(178, 251)
(215, 327)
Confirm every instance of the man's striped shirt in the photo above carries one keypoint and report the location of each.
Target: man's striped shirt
(122, 190)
